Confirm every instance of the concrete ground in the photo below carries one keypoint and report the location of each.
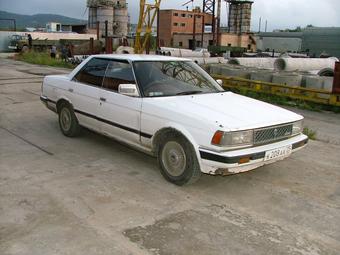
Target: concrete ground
(92, 195)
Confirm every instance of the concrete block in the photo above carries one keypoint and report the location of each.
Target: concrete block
(261, 76)
(288, 79)
(233, 72)
(314, 82)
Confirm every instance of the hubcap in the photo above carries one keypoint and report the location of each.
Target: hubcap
(173, 158)
(65, 119)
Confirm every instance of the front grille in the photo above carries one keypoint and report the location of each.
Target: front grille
(272, 134)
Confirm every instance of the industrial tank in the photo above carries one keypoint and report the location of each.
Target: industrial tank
(105, 14)
(115, 12)
(121, 20)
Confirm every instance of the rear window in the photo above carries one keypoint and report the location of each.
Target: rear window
(93, 72)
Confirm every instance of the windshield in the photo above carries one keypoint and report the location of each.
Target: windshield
(171, 78)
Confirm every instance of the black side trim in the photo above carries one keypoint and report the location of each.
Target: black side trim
(233, 160)
(50, 101)
(45, 100)
(229, 160)
(114, 124)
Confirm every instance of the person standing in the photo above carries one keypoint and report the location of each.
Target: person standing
(30, 41)
(64, 52)
(53, 51)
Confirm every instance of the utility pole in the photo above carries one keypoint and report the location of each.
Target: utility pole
(266, 26)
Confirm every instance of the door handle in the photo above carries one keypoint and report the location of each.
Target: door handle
(71, 90)
(103, 99)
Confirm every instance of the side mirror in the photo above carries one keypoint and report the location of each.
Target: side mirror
(220, 82)
(128, 90)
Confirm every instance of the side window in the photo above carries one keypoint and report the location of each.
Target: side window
(117, 73)
(93, 72)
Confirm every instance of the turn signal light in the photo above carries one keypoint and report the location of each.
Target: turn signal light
(244, 160)
(217, 138)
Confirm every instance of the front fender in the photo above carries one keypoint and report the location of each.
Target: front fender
(179, 128)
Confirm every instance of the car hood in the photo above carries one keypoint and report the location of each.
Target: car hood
(227, 111)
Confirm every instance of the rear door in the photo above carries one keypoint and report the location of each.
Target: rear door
(86, 90)
(120, 113)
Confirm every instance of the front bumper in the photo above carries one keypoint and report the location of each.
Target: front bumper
(13, 47)
(49, 103)
(231, 162)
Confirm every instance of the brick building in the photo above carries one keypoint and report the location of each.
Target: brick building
(181, 22)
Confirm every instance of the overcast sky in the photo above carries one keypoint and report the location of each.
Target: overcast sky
(279, 13)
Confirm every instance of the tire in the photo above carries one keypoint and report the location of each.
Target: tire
(25, 49)
(68, 121)
(178, 161)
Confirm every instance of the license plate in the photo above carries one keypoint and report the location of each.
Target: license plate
(278, 153)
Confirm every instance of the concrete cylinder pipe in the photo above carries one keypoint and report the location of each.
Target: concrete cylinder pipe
(304, 64)
(267, 63)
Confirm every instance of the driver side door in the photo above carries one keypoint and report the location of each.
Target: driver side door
(120, 114)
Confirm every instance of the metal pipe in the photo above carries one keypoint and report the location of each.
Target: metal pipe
(157, 40)
(106, 28)
(194, 34)
(229, 17)
(203, 21)
(241, 20)
(91, 46)
(98, 24)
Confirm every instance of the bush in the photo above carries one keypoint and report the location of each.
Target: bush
(310, 133)
(42, 58)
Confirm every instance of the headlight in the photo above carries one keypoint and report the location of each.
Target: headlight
(297, 127)
(233, 139)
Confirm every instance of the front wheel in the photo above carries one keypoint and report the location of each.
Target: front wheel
(178, 160)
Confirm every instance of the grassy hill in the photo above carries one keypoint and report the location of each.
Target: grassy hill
(37, 20)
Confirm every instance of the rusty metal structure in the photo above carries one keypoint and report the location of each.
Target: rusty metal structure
(147, 16)
(209, 8)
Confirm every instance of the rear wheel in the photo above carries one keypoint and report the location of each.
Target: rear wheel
(68, 122)
(177, 160)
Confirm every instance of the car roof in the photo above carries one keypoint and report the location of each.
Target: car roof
(140, 57)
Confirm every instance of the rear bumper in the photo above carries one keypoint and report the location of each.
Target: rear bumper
(231, 162)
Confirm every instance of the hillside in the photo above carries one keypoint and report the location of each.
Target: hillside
(37, 20)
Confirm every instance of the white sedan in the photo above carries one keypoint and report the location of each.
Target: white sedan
(172, 109)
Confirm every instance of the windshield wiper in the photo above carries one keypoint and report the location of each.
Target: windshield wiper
(190, 92)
